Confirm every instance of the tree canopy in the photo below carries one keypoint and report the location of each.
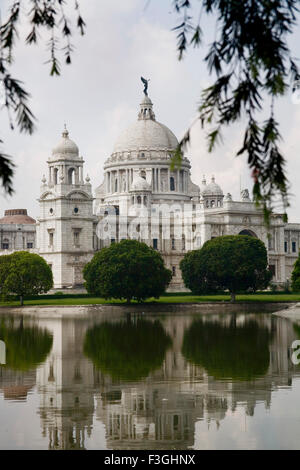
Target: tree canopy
(127, 270)
(233, 262)
(253, 66)
(41, 15)
(228, 350)
(296, 276)
(127, 350)
(24, 273)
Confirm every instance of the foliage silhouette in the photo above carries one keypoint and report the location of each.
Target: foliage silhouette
(26, 347)
(127, 350)
(228, 351)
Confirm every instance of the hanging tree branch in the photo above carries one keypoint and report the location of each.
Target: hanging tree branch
(252, 63)
(41, 14)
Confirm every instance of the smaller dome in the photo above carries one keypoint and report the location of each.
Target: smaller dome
(66, 146)
(16, 216)
(140, 184)
(146, 100)
(212, 189)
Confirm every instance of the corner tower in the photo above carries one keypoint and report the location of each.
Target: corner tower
(65, 224)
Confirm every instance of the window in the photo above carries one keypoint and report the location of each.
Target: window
(51, 238)
(116, 186)
(294, 247)
(51, 210)
(173, 243)
(76, 210)
(270, 243)
(174, 270)
(55, 175)
(5, 244)
(272, 268)
(112, 240)
(29, 245)
(139, 200)
(183, 242)
(285, 247)
(71, 176)
(172, 184)
(76, 238)
(155, 243)
(212, 203)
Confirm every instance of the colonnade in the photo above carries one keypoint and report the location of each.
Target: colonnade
(120, 180)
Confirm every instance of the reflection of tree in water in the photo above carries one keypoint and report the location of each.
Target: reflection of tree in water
(26, 347)
(297, 329)
(228, 351)
(127, 350)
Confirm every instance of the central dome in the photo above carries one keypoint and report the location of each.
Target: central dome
(146, 133)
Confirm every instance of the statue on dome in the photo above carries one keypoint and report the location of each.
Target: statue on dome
(145, 82)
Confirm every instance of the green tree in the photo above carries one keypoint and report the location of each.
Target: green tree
(228, 350)
(40, 15)
(127, 270)
(233, 262)
(296, 276)
(24, 273)
(253, 67)
(127, 350)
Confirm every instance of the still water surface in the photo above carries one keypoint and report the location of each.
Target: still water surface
(142, 381)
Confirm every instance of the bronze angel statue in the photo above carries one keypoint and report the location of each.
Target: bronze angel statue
(145, 82)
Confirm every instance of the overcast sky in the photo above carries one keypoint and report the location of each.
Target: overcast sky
(98, 96)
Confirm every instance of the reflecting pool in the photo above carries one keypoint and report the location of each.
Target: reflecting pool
(149, 381)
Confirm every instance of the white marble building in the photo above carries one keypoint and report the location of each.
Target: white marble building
(140, 196)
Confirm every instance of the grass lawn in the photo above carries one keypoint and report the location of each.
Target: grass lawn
(167, 298)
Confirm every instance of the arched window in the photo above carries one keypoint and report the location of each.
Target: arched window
(172, 183)
(183, 242)
(143, 173)
(212, 203)
(139, 200)
(71, 176)
(248, 232)
(145, 200)
(5, 244)
(207, 203)
(55, 175)
(116, 185)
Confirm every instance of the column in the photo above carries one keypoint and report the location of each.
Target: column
(159, 180)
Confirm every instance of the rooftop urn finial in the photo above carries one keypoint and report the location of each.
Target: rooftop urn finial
(213, 179)
(87, 179)
(204, 181)
(44, 179)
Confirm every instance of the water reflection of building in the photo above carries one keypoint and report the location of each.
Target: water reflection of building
(156, 412)
(161, 412)
(65, 385)
(16, 385)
